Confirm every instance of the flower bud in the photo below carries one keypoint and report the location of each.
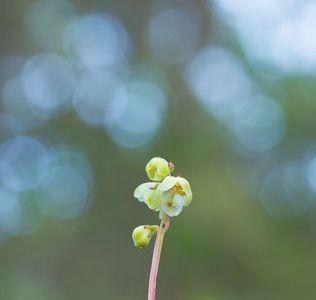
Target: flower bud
(158, 168)
(142, 235)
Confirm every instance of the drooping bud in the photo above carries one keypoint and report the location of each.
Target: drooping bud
(158, 168)
(142, 235)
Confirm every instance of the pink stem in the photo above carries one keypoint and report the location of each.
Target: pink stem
(164, 225)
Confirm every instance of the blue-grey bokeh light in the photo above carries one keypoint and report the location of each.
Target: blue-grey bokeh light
(48, 82)
(96, 94)
(258, 123)
(22, 115)
(23, 163)
(97, 41)
(143, 112)
(278, 33)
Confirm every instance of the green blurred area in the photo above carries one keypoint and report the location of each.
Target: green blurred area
(225, 246)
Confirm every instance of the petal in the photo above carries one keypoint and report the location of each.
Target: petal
(178, 199)
(187, 199)
(163, 172)
(164, 196)
(173, 206)
(152, 199)
(185, 185)
(167, 183)
(142, 189)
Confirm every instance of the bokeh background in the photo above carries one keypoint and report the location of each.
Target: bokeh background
(91, 90)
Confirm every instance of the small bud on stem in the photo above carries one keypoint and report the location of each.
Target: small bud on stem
(143, 234)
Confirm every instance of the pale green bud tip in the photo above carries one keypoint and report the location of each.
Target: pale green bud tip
(158, 168)
(142, 235)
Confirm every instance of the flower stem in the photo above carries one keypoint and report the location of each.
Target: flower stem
(164, 225)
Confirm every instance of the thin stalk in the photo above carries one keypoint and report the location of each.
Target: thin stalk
(164, 225)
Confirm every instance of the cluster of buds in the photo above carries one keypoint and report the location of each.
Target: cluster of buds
(165, 194)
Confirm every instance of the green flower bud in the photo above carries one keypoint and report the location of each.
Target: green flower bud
(158, 168)
(174, 193)
(142, 235)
